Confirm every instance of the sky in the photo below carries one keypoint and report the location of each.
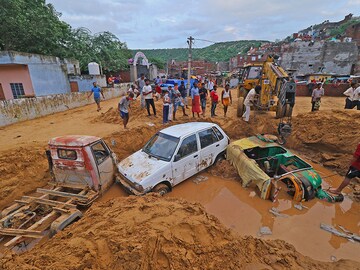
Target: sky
(153, 24)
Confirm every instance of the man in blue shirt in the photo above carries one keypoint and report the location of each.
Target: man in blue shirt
(97, 91)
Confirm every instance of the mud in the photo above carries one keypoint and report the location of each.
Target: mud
(151, 232)
(23, 167)
(243, 211)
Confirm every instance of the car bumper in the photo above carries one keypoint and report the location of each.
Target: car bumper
(128, 188)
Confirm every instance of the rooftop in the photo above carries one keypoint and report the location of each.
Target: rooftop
(73, 140)
(187, 128)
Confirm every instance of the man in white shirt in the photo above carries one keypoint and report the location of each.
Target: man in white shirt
(147, 92)
(316, 97)
(356, 98)
(349, 93)
(249, 100)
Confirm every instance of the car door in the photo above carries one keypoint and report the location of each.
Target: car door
(186, 160)
(104, 163)
(210, 147)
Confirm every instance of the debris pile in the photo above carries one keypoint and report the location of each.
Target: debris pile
(151, 232)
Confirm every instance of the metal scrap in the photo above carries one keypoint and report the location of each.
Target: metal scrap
(200, 179)
(264, 231)
(277, 213)
(300, 206)
(345, 234)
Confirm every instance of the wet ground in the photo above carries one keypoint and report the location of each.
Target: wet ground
(238, 208)
(245, 213)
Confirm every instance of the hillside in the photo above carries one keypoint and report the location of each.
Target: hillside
(217, 52)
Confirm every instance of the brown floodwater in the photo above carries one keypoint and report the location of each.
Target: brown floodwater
(243, 211)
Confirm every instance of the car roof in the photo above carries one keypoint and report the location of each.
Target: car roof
(185, 129)
(73, 140)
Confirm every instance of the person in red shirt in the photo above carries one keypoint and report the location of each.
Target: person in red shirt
(354, 171)
(214, 100)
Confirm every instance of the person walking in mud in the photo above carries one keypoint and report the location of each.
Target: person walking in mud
(317, 93)
(166, 104)
(226, 98)
(96, 90)
(124, 106)
(349, 93)
(353, 171)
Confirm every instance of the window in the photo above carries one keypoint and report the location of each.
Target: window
(100, 152)
(207, 137)
(254, 73)
(218, 133)
(188, 147)
(161, 146)
(17, 90)
(67, 154)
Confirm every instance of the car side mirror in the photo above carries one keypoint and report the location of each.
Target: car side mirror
(177, 157)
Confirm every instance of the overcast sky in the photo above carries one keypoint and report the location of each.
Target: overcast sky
(167, 23)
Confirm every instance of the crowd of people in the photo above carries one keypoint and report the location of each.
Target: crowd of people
(175, 98)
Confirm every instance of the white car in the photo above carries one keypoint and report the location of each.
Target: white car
(171, 156)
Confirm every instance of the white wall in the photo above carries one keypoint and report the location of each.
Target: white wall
(17, 110)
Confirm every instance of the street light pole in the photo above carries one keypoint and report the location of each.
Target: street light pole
(190, 42)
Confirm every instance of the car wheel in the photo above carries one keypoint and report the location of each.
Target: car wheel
(161, 189)
(219, 157)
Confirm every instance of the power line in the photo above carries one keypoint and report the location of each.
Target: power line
(205, 40)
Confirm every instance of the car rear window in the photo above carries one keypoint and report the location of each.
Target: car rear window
(67, 154)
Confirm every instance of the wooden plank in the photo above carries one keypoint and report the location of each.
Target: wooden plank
(61, 194)
(18, 238)
(53, 203)
(61, 210)
(21, 232)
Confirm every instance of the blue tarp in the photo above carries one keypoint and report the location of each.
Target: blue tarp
(173, 81)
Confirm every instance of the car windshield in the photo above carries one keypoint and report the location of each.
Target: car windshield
(161, 146)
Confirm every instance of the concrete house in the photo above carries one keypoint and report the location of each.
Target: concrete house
(31, 75)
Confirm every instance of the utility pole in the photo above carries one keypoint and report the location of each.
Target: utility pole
(190, 42)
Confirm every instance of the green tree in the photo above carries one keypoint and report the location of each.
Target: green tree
(158, 62)
(35, 27)
(32, 26)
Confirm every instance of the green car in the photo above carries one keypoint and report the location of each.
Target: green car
(263, 162)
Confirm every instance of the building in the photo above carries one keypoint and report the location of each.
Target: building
(198, 68)
(30, 75)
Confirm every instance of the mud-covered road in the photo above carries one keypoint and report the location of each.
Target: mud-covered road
(327, 137)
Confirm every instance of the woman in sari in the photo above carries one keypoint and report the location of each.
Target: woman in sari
(195, 96)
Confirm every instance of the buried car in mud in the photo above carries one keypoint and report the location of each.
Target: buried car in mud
(261, 161)
(171, 156)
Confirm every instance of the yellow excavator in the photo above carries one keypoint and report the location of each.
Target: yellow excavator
(277, 88)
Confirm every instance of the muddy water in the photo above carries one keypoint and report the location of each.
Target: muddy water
(243, 211)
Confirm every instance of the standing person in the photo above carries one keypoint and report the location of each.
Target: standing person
(124, 106)
(349, 93)
(226, 98)
(97, 91)
(178, 101)
(172, 100)
(195, 97)
(133, 90)
(203, 96)
(214, 100)
(317, 93)
(141, 83)
(354, 171)
(147, 92)
(183, 92)
(210, 85)
(166, 103)
(158, 80)
(250, 100)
